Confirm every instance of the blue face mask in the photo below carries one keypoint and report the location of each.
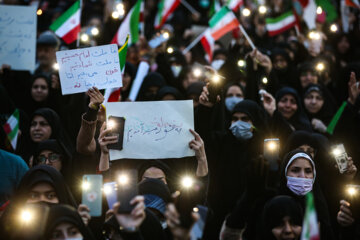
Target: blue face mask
(241, 130)
(230, 102)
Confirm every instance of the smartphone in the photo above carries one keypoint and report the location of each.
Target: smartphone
(110, 191)
(91, 193)
(271, 152)
(353, 197)
(127, 189)
(341, 157)
(186, 202)
(117, 125)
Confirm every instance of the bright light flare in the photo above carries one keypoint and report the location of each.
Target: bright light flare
(107, 190)
(262, 9)
(26, 216)
(336, 152)
(84, 37)
(352, 191)
(197, 72)
(170, 50)
(56, 66)
(246, 12)
(314, 35)
(110, 124)
(216, 78)
(85, 185)
(271, 146)
(120, 6)
(187, 182)
(115, 15)
(265, 80)
(319, 10)
(333, 28)
(95, 31)
(195, 209)
(166, 35)
(320, 67)
(241, 63)
(123, 179)
(39, 12)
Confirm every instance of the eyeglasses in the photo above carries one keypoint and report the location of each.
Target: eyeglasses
(53, 157)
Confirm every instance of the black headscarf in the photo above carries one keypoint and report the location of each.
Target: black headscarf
(274, 212)
(165, 90)
(131, 70)
(153, 79)
(329, 108)
(62, 213)
(299, 120)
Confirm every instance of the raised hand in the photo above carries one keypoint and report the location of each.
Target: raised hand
(96, 98)
(354, 88)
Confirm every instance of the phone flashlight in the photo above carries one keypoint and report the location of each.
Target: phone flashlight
(85, 185)
(94, 31)
(84, 37)
(110, 124)
(314, 35)
(170, 50)
(246, 12)
(351, 190)
(333, 28)
(262, 9)
(166, 35)
(319, 10)
(241, 63)
(197, 72)
(123, 179)
(264, 80)
(107, 189)
(320, 67)
(26, 216)
(56, 66)
(341, 157)
(187, 182)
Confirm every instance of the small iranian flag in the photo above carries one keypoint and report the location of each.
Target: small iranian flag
(215, 6)
(280, 24)
(235, 4)
(222, 22)
(113, 94)
(208, 44)
(129, 25)
(310, 229)
(67, 26)
(166, 8)
(353, 3)
(11, 128)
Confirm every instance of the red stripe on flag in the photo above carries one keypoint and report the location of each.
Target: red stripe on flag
(7, 128)
(72, 35)
(114, 40)
(207, 47)
(236, 8)
(273, 33)
(114, 96)
(165, 17)
(230, 26)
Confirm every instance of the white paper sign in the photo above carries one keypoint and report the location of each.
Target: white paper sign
(18, 37)
(154, 130)
(81, 69)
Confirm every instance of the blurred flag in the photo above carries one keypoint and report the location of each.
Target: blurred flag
(215, 6)
(165, 9)
(141, 18)
(11, 128)
(67, 26)
(331, 127)
(353, 3)
(306, 9)
(208, 44)
(329, 9)
(113, 94)
(280, 24)
(235, 4)
(310, 229)
(129, 25)
(222, 22)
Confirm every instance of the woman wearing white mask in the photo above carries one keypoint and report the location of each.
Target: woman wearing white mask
(298, 177)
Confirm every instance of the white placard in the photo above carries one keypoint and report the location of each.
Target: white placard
(81, 69)
(154, 130)
(18, 37)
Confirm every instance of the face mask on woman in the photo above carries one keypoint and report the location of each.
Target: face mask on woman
(230, 102)
(216, 64)
(241, 130)
(176, 70)
(300, 186)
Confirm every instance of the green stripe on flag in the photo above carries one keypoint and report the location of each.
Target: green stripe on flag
(329, 8)
(330, 129)
(65, 16)
(218, 16)
(15, 130)
(279, 18)
(134, 22)
(122, 53)
(160, 10)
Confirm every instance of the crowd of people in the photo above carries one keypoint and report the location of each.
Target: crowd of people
(302, 97)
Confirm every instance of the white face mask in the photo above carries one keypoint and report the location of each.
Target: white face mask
(299, 186)
(241, 130)
(216, 64)
(176, 70)
(230, 102)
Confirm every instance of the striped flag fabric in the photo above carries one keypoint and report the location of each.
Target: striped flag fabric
(165, 9)
(129, 25)
(113, 94)
(280, 24)
(208, 43)
(353, 3)
(141, 18)
(310, 229)
(11, 128)
(214, 7)
(222, 22)
(234, 5)
(67, 26)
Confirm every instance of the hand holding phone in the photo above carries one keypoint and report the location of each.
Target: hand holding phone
(91, 193)
(127, 189)
(117, 125)
(271, 152)
(341, 157)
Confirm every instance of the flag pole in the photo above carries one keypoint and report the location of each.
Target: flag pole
(193, 43)
(189, 7)
(247, 37)
(78, 37)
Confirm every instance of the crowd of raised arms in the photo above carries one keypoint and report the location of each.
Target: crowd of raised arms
(275, 140)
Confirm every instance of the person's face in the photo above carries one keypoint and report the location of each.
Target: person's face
(42, 192)
(287, 230)
(313, 102)
(308, 77)
(50, 158)
(242, 117)
(234, 91)
(65, 231)
(300, 168)
(344, 45)
(39, 90)
(40, 129)
(154, 172)
(308, 149)
(46, 55)
(126, 81)
(280, 62)
(168, 97)
(287, 106)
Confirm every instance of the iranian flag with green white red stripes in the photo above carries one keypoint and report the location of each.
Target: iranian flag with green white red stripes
(280, 24)
(165, 9)
(11, 128)
(310, 229)
(67, 26)
(222, 22)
